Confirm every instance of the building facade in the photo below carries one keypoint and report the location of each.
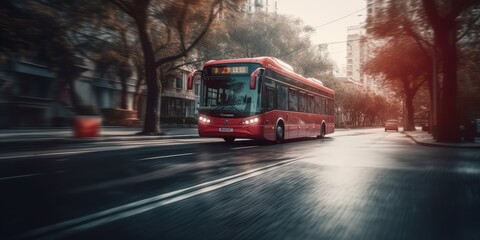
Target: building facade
(353, 54)
(177, 101)
(360, 47)
(252, 6)
(31, 95)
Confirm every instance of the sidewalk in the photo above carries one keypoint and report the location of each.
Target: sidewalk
(426, 139)
(34, 136)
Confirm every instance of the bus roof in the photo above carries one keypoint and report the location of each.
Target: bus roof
(276, 65)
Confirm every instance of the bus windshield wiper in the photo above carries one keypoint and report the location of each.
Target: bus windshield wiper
(236, 109)
(227, 104)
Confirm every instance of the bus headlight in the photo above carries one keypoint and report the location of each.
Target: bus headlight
(203, 119)
(250, 121)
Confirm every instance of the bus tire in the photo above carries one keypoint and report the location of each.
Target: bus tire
(279, 132)
(229, 139)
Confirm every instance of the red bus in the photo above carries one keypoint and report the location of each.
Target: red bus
(261, 98)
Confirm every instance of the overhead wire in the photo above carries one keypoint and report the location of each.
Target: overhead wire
(338, 19)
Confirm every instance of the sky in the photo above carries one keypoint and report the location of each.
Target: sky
(331, 17)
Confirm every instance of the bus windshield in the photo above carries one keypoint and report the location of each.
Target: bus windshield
(229, 95)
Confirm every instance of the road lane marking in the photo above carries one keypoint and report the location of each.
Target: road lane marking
(65, 153)
(22, 176)
(99, 149)
(96, 149)
(238, 148)
(165, 156)
(184, 154)
(96, 219)
(41, 155)
(29, 175)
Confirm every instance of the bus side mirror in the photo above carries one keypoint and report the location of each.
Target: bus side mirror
(253, 78)
(191, 78)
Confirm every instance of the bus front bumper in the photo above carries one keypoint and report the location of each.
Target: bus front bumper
(238, 131)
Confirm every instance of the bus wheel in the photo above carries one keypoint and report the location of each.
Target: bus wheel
(322, 132)
(229, 139)
(279, 133)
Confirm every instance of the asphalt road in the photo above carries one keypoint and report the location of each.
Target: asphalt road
(357, 184)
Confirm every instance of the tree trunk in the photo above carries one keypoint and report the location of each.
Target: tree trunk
(409, 124)
(410, 121)
(152, 116)
(448, 125)
(444, 24)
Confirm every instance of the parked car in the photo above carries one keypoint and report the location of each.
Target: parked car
(425, 127)
(391, 124)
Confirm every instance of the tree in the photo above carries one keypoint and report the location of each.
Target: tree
(349, 99)
(401, 61)
(400, 21)
(41, 30)
(107, 41)
(266, 34)
(179, 26)
(437, 27)
(313, 62)
(443, 17)
(469, 76)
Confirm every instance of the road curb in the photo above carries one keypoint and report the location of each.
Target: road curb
(444, 145)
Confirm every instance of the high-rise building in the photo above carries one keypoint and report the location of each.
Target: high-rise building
(358, 50)
(252, 6)
(354, 53)
(360, 47)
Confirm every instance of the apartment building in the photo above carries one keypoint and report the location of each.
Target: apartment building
(31, 95)
(359, 48)
(252, 6)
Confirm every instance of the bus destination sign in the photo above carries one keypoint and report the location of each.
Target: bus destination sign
(230, 70)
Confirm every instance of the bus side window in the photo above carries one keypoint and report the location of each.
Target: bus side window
(302, 103)
(269, 96)
(282, 97)
(310, 104)
(331, 109)
(324, 106)
(292, 100)
(318, 107)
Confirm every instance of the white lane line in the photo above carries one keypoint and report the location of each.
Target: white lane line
(238, 148)
(22, 176)
(29, 175)
(149, 207)
(166, 156)
(134, 208)
(91, 150)
(41, 155)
